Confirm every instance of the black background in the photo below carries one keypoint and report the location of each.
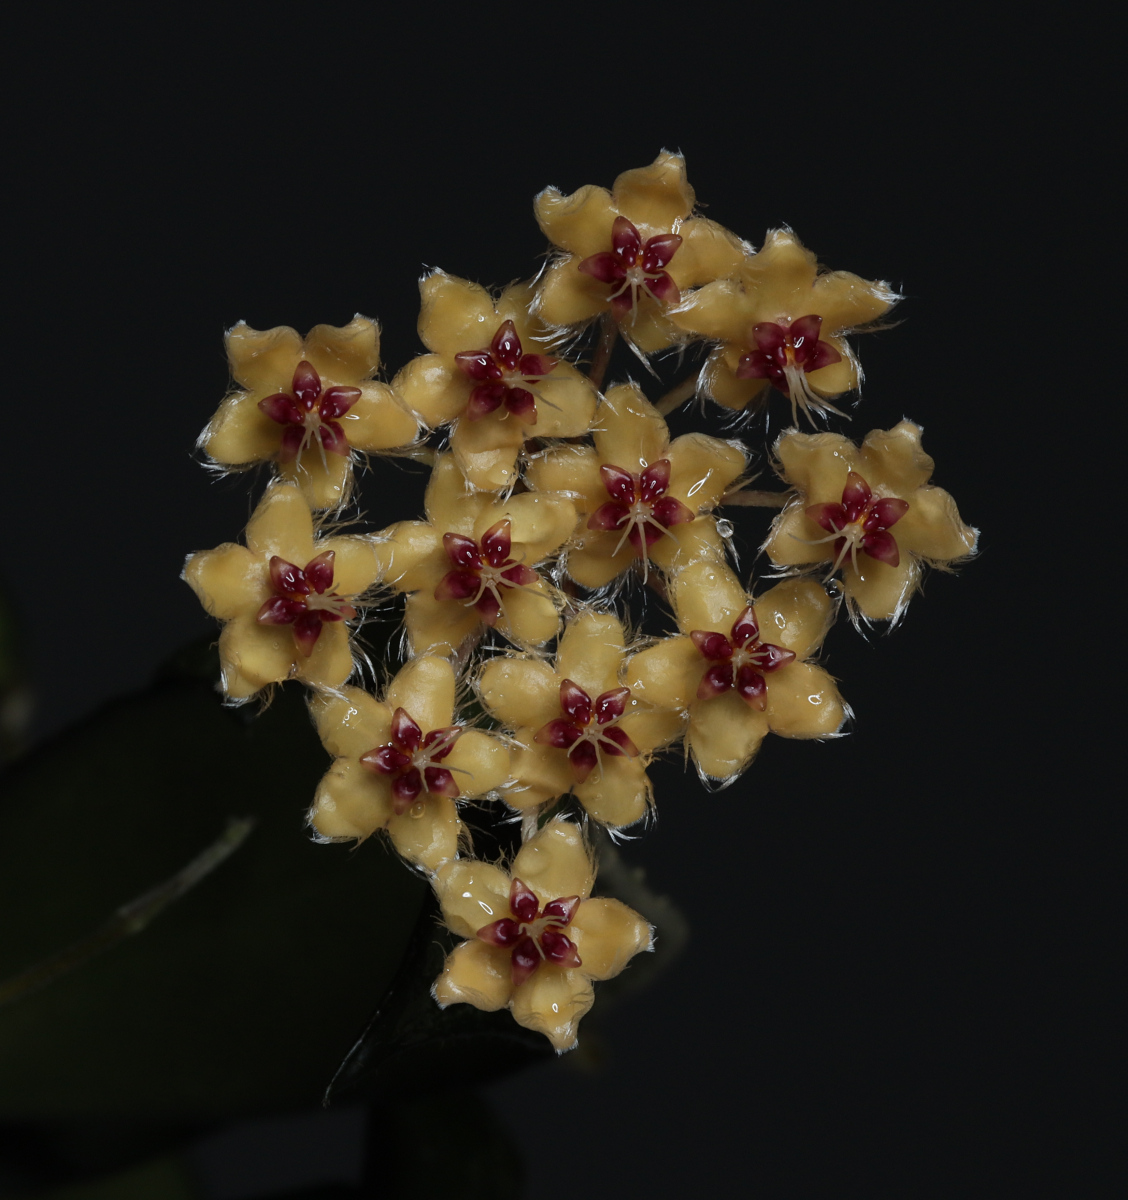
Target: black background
(898, 964)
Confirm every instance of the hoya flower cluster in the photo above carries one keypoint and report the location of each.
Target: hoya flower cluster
(557, 500)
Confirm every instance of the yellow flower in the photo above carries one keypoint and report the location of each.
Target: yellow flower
(402, 762)
(488, 378)
(738, 666)
(576, 727)
(306, 404)
(284, 598)
(782, 324)
(868, 512)
(471, 563)
(535, 941)
(630, 251)
(639, 494)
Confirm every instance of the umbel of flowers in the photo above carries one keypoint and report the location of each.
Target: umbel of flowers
(555, 504)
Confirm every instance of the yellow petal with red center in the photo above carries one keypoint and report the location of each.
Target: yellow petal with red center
(795, 614)
(629, 431)
(345, 354)
(451, 503)
(702, 469)
(433, 389)
(570, 469)
(565, 404)
(580, 222)
(331, 662)
(472, 894)
(428, 832)
(667, 673)
(528, 615)
(229, 580)
(794, 540)
(480, 763)
(410, 555)
(539, 523)
(932, 527)
(355, 568)
(258, 654)
(650, 330)
(553, 1001)
(839, 377)
(351, 802)
(455, 315)
(608, 935)
(817, 464)
(593, 564)
(724, 734)
(655, 196)
(895, 460)
(651, 729)
(378, 420)
(476, 973)
(879, 590)
(722, 310)
(780, 278)
(617, 794)
(568, 296)
(707, 595)
(350, 722)
(263, 359)
(695, 541)
(540, 772)
(424, 688)
(324, 484)
(591, 652)
(555, 862)
(520, 691)
(720, 384)
(845, 301)
(708, 252)
(486, 451)
(240, 432)
(803, 702)
(438, 626)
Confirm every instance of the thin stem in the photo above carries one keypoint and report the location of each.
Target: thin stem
(749, 498)
(678, 395)
(131, 918)
(608, 336)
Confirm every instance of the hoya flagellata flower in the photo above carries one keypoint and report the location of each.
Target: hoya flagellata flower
(641, 497)
(535, 938)
(781, 324)
(739, 666)
(306, 404)
(867, 511)
(631, 251)
(401, 763)
(472, 563)
(284, 598)
(486, 375)
(576, 727)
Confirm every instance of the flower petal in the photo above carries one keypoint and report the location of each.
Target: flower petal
(330, 663)
(452, 505)
(539, 524)
(568, 296)
(666, 673)
(708, 252)
(693, 542)
(486, 450)
(591, 652)
(879, 590)
(479, 762)
(455, 314)
(345, 354)
(655, 196)
(260, 654)
(472, 894)
(629, 431)
(724, 734)
(552, 1001)
(617, 794)
(702, 469)
(428, 832)
(608, 935)
(894, 459)
(796, 614)
(409, 556)
(477, 974)
(845, 300)
(541, 773)
(350, 722)
(707, 595)
(430, 387)
(520, 691)
(425, 688)
(263, 359)
(804, 702)
(651, 729)
(565, 403)
(793, 541)
(933, 529)
(438, 626)
(529, 617)
(350, 802)
(555, 862)
(580, 222)
(229, 580)
(324, 485)
(240, 432)
(574, 470)
(379, 420)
